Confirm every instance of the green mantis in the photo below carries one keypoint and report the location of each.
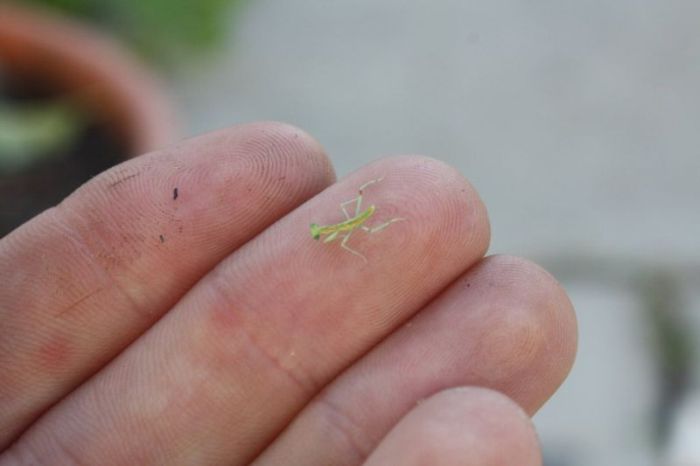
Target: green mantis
(351, 223)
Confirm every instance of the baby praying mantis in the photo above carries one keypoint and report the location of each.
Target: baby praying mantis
(352, 222)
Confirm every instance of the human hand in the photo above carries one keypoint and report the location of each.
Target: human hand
(175, 310)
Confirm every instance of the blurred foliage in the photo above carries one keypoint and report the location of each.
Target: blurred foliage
(32, 132)
(163, 30)
(662, 295)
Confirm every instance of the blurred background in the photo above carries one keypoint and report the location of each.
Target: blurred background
(576, 121)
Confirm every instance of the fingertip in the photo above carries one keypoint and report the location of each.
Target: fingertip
(534, 328)
(439, 201)
(292, 143)
(461, 426)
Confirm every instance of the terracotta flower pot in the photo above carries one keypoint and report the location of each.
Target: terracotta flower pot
(86, 63)
(127, 103)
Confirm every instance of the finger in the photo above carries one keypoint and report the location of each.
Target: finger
(84, 279)
(218, 377)
(505, 324)
(461, 427)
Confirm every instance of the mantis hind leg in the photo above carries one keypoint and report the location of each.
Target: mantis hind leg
(345, 246)
(382, 225)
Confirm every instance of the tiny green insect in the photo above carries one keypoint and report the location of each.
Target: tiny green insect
(352, 222)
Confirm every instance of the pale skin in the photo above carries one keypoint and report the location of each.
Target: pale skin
(142, 327)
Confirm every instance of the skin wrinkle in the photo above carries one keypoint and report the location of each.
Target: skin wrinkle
(347, 427)
(71, 458)
(141, 413)
(119, 181)
(122, 180)
(25, 281)
(118, 244)
(14, 457)
(182, 400)
(301, 378)
(65, 312)
(94, 256)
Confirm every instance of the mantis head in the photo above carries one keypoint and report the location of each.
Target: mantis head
(315, 231)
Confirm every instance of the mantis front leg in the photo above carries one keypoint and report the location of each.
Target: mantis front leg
(358, 203)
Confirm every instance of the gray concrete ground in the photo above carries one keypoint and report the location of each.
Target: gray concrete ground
(577, 122)
(596, 418)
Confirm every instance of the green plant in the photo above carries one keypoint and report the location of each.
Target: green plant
(32, 132)
(164, 30)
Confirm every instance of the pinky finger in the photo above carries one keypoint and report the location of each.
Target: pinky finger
(463, 426)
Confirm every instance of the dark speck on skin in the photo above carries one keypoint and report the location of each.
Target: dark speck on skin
(175, 194)
(162, 238)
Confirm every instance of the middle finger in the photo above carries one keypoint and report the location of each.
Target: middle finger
(223, 373)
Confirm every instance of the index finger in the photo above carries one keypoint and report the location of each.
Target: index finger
(84, 279)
